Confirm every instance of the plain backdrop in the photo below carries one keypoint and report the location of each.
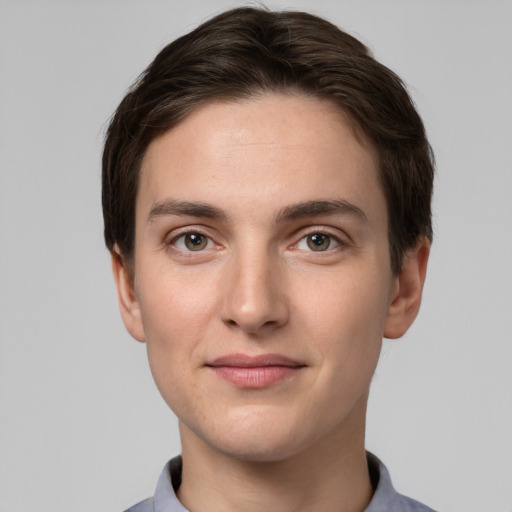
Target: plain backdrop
(82, 426)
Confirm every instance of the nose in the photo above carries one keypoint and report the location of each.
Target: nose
(254, 294)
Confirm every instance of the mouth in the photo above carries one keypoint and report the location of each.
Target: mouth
(255, 372)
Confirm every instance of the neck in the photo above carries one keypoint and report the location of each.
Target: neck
(330, 475)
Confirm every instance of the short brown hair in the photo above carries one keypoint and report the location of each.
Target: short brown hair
(247, 51)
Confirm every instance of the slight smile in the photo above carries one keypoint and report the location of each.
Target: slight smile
(254, 372)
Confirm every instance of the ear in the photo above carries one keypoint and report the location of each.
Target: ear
(406, 297)
(128, 304)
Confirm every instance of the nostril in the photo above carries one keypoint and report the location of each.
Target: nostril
(253, 304)
(253, 327)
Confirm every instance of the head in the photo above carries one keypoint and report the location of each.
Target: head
(247, 52)
(266, 197)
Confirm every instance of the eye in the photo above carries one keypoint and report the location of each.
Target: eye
(318, 242)
(192, 241)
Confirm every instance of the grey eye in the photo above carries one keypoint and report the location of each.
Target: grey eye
(195, 241)
(318, 242)
(192, 242)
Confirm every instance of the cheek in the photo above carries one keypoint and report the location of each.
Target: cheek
(349, 302)
(174, 305)
(344, 314)
(176, 315)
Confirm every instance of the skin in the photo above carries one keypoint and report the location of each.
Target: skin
(257, 286)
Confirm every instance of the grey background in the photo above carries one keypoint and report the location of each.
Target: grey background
(82, 426)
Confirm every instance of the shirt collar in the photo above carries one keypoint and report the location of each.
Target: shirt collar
(165, 500)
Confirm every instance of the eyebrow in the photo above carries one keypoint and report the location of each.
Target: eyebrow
(318, 208)
(193, 209)
(314, 208)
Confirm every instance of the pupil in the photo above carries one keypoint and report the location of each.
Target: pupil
(318, 241)
(195, 241)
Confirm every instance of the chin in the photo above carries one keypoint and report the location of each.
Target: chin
(257, 450)
(267, 441)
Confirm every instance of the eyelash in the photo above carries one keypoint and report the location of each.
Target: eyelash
(339, 244)
(190, 231)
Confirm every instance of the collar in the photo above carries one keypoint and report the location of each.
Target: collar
(384, 499)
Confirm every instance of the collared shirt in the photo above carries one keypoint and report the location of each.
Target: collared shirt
(385, 498)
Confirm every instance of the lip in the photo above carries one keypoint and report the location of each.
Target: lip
(254, 372)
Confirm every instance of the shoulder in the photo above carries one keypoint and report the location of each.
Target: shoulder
(164, 498)
(386, 498)
(143, 506)
(409, 505)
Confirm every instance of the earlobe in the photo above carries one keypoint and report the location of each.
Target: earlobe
(406, 298)
(128, 303)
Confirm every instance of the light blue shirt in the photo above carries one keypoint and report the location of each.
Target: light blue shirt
(385, 498)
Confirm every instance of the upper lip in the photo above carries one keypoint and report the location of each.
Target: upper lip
(247, 361)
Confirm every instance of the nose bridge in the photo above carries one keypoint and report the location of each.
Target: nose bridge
(255, 298)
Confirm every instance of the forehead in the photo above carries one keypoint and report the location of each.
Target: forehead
(259, 150)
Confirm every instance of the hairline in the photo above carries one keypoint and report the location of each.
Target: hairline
(254, 94)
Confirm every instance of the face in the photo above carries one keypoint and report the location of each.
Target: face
(262, 283)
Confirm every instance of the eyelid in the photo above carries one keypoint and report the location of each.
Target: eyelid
(340, 236)
(322, 230)
(180, 243)
(176, 234)
(342, 239)
(334, 243)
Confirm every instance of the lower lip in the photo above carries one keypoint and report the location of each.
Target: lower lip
(255, 378)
